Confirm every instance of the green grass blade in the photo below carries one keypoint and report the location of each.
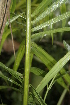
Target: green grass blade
(40, 72)
(50, 86)
(8, 79)
(15, 74)
(52, 21)
(37, 71)
(52, 8)
(59, 65)
(13, 19)
(63, 10)
(48, 33)
(66, 45)
(19, 56)
(37, 96)
(49, 62)
(31, 99)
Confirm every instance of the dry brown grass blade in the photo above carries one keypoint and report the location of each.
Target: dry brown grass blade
(4, 12)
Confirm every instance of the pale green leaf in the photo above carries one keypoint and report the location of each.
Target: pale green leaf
(19, 56)
(59, 65)
(52, 21)
(49, 62)
(50, 9)
(13, 19)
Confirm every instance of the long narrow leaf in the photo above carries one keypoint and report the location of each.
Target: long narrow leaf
(15, 74)
(37, 96)
(52, 8)
(8, 79)
(13, 19)
(53, 71)
(19, 56)
(48, 33)
(63, 10)
(37, 71)
(49, 62)
(52, 21)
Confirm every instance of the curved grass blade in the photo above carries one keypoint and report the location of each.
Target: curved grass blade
(52, 8)
(40, 72)
(50, 86)
(52, 21)
(31, 99)
(15, 74)
(50, 62)
(37, 96)
(61, 75)
(48, 33)
(14, 18)
(19, 56)
(8, 79)
(53, 71)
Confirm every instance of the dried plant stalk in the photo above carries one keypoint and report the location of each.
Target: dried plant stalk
(4, 12)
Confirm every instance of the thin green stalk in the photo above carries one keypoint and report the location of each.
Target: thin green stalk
(27, 55)
(62, 97)
(50, 86)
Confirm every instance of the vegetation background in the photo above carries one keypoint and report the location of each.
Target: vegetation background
(49, 53)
